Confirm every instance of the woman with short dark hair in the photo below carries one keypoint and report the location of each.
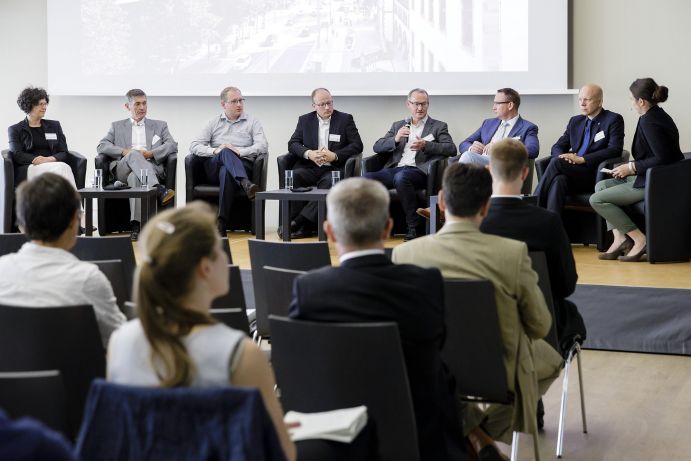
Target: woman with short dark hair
(656, 142)
(38, 145)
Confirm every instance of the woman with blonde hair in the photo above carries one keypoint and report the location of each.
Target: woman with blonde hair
(175, 342)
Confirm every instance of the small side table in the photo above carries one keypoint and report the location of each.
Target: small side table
(284, 197)
(148, 199)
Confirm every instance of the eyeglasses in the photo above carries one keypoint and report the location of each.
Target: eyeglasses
(497, 103)
(324, 104)
(418, 104)
(236, 101)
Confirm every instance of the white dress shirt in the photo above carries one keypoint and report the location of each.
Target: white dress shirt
(40, 276)
(504, 129)
(408, 158)
(138, 134)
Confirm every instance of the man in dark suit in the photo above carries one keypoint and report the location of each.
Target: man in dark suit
(323, 141)
(409, 146)
(369, 287)
(589, 139)
(509, 216)
(507, 124)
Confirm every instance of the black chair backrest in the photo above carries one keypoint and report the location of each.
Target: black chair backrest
(62, 338)
(287, 255)
(105, 248)
(233, 317)
(38, 394)
(278, 296)
(226, 247)
(114, 272)
(474, 350)
(325, 366)
(236, 295)
(388, 252)
(539, 261)
(11, 243)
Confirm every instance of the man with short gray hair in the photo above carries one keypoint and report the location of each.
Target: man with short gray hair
(138, 143)
(368, 287)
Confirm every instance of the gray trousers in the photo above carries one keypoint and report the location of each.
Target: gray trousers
(474, 158)
(127, 170)
(610, 195)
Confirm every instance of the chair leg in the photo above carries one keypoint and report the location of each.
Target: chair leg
(580, 387)
(564, 394)
(514, 446)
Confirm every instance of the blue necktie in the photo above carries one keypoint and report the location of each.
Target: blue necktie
(586, 139)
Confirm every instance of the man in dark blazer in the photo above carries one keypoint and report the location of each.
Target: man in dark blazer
(410, 146)
(323, 141)
(510, 216)
(369, 287)
(507, 124)
(589, 139)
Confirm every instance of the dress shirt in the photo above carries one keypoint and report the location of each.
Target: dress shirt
(503, 133)
(40, 276)
(324, 132)
(408, 158)
(360, 253)
(138, 134)
(246, 134)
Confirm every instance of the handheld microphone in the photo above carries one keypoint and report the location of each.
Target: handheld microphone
(408, 121)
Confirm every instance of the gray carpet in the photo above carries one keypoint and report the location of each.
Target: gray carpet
(632, 319)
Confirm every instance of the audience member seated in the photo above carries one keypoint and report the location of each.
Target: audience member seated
(323, 141)
(410, 146)
(589, 139)
(229, 143)
(655, 142)
(507, 124)
(510, 216)
(139, 144)
(38, 145)
(367, 286)
(28, 440)
(43, 272)
(460, 250)
(175, 342)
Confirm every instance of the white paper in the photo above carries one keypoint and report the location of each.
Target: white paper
(342, 425)
(429, 137)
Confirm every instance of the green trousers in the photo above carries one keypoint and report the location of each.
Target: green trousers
(610, 195)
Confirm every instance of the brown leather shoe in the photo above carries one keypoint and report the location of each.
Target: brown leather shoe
(424, 212)
(620, 250)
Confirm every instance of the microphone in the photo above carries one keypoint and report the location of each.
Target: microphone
(408, 121)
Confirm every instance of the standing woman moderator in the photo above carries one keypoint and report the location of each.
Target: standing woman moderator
(38, 145)
(175, 342)
(656, 142)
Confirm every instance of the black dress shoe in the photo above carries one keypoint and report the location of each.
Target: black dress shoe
(620, 250)
(135, 229)
(634, 258)
(411, 234)
(250, 188)
(540, 414)
(301, 233)
(165, 195)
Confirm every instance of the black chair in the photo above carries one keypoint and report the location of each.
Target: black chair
(75, 160)
(435, 172)
(278, 297)
(114, 272)
(352, 168)
(527, 188)
(581, 222)
(114, 213)
(225, 244)
(55, 338)
(325, 366)
(231, 308)
(235, 318)
(109, 248)
(474, 350)
(197, 188)
(286, 255)
(37, 394)
(539, 263)
(11, 243)
(663, 214)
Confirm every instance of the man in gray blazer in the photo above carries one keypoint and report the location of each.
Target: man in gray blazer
(135, 144)
(409, 146)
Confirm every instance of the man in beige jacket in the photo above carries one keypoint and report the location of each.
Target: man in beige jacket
(460, 250)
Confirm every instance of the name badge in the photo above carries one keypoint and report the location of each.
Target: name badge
(516, 137)
(598, 136)
(334, 138)
(155, 139)
(51, 137)
(429, 137)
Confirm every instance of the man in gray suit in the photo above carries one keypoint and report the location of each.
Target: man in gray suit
(409, 147)
(135, 144)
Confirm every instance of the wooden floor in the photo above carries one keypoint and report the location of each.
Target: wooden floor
(638, 405)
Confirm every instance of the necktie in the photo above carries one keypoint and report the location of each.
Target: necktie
(504, 126)
(586, 139)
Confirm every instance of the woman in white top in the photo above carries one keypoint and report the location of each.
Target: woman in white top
(175, 342)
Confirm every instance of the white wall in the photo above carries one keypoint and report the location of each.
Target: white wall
(613, 42)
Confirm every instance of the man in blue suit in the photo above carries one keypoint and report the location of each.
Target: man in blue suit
(589, 139)
(507, 124)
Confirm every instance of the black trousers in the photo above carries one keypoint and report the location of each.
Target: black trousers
(310, 177)
(227, 170)
(560, 179)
